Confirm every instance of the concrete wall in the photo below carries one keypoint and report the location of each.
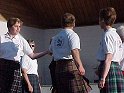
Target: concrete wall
(89, 36)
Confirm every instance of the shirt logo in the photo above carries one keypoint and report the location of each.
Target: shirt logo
(59, 41)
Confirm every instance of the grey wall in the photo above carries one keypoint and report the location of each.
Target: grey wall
(89, 36)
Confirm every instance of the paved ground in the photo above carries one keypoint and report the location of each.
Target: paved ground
(46, 89)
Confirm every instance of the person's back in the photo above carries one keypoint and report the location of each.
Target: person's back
(69, 70)
(63, 45)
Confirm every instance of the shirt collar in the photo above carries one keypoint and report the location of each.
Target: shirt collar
(7, 35)
(110, 29)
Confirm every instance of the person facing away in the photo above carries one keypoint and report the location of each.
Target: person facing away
(65, 48)
(30, 81)
(110, 75)
(12, 45)
(120, 31)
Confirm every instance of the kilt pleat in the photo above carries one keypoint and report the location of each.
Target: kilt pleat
(68, 79)
(34, 82)
(10, 78)
(114, 82)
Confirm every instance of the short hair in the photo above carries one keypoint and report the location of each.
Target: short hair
(13, 21)
(68, 20)
(108, 15)
(30, 41)
(120, 31)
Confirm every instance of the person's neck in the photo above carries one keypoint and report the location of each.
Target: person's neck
(11, 35)
(69, 28)
(107, 27)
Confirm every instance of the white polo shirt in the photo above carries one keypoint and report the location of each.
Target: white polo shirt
(30, 65)
(122, 60)
(13, 48)
(63, 43)
(110, 43)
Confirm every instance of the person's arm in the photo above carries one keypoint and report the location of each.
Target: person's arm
(30, 88)
(28, 51)
(38, 55)
(108, 47)
(77, 60)
(107, 64)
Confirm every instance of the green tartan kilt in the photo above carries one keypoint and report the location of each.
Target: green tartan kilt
(114, 82)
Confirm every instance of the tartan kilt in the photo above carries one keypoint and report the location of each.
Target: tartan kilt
(34, 80)
(10, 78)
(114, 82)
(68, 79)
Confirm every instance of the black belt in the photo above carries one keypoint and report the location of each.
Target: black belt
(31, 74)
(6, 60)
(60, 60)
(102, 61)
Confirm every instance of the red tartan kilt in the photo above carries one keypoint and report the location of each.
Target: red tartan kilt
(123, 73)
(68, 79)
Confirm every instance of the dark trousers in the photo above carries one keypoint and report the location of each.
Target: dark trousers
(52, 68)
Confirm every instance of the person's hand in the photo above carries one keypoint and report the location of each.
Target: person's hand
(81, 70)
(48, 52)
(30, 88)
(101, 83)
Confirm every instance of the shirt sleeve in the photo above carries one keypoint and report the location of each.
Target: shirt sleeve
(108, 44)
(25, 61)
(50, 48)
(51, 42)
(26, 48)
(74, 41)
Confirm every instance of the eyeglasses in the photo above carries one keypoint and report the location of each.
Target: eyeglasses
(32, 45)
